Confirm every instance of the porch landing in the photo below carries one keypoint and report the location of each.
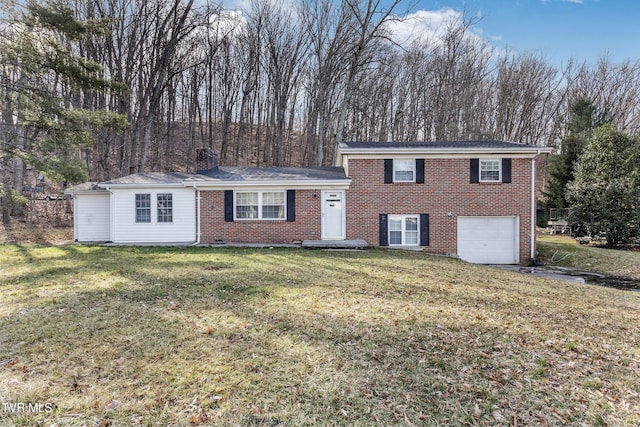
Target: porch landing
(334, 244)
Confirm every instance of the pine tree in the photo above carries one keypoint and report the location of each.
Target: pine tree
(583, 119)
(45, 123)
(605, 194)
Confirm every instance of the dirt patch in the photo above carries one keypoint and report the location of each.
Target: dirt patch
(29, 233)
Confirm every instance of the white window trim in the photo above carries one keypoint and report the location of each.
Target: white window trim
(499, 161)
(136, 208)
(404, 231)
(170, 209)
(259, 218)
(413, 170)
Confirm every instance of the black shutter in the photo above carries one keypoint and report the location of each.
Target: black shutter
(424, 230)
(228, 205)
(506, 170)
(291, 205)
(474, 165)
(419, 171)
(384, 230)
(388, 171)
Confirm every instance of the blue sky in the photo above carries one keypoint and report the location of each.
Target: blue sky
(558, 29)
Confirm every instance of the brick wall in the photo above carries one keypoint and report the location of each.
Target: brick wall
(445, 195)
(215, 229)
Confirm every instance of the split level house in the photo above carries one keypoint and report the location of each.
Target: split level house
(475, 200)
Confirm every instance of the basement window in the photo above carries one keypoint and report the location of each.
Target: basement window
(404, 230)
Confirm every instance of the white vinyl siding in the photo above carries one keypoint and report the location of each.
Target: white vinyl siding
(91, 217)
(181, 229)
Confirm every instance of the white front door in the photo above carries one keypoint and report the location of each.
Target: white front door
(333, 215)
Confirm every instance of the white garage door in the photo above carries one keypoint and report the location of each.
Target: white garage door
(488, 239)
(92, 217)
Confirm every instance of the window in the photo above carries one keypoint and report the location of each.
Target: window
(404, 230)
(143, 207)
(165, 207)
(404, 170)
(260, 205)
(489, 170)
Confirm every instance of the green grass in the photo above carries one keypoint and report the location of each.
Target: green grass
(230, 336)
(565, 251)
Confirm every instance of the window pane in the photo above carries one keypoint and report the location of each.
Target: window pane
(165, 207)
(404, 170)
(411, 224)
(247, 205)
(411, 238)
(273, 205)
(272, 212)
(395, 224)
(143, 207)
(244, 212)
(395, 237)
(490, 170)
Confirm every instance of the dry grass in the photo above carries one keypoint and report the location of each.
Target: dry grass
(165, 336)
(25, 233)
(565, 251)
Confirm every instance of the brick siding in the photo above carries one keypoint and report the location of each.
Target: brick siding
(445, 195)
(305, 227)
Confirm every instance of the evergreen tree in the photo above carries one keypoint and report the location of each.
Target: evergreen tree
(605, 194)
(584, 117)
(46, 86)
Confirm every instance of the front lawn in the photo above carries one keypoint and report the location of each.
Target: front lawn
(229, 336)
(567, 252)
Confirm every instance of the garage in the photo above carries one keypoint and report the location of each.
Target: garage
(488, 239)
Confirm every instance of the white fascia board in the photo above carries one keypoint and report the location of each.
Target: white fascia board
(525, 152)
(342, 184)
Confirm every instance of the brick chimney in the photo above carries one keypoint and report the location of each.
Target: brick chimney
(206, 160)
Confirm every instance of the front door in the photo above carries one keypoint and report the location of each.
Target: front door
(333, 218)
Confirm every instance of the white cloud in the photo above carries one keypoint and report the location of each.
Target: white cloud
(422, 25)
(431, 25)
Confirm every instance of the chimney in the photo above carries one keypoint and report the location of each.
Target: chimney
(206, 160)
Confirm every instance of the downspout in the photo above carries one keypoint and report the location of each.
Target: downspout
(112, 213)
(533, 209)
(198, 216)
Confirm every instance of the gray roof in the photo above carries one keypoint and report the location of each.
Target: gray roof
(233, 174)
(86, 187)
(155, 178)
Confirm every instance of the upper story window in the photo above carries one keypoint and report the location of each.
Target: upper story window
(404, 170)
(165, 207)
(490, 170)
(260, 205)
(143, 207)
